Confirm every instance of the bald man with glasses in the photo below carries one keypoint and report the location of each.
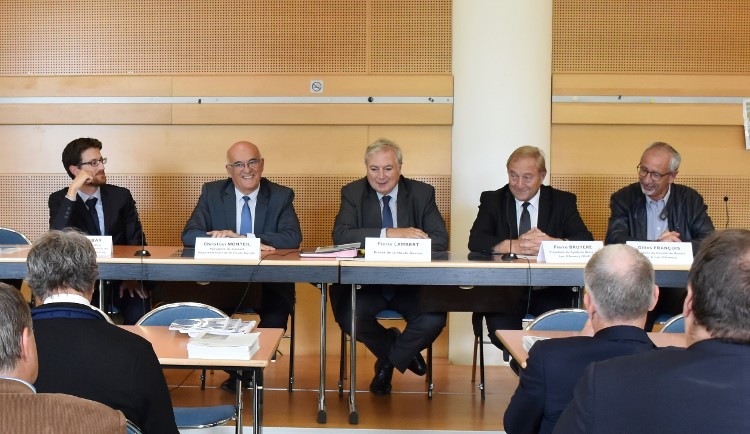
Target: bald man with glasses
(657, 209)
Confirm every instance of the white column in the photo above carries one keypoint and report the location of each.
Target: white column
(502, 54)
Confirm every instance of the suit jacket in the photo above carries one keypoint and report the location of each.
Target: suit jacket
(496, 220)
(702, 389)
(120, 215)
(360, 216)
(554, 366)
(276, 222)
(686, 214)
(24, 412)
(93, 359)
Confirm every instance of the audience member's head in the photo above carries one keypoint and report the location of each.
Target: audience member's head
(620, 286)
(61, 261)
(18, 358)
(718, 300)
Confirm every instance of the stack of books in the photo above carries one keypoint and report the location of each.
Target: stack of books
(219, 338)
(339, 251)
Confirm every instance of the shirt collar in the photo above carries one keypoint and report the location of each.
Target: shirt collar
(253, 195)
(97, 194)
(393, 194)
(66, 298)
(665, 198)
(534, 201)
(29, 385)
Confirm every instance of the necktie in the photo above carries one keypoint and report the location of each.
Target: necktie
(525, 224)
(387, 215)
(91, 205)
(246, 220)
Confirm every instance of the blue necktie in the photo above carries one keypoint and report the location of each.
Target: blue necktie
(387, 215)
(246, 220)
(91, 205)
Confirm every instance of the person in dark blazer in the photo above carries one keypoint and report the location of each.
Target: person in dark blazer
(269, 216)
(386, 204)
(703, 388)
(24, 411)
(499, 229)
(94, 207)
(82, 354)
(657, 209)
(620, 290)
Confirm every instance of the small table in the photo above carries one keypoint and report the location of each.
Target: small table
(513, 340)
(171, 349)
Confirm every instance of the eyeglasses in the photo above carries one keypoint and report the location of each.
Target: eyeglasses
(239, 165)
(656, 176)
(93, 163)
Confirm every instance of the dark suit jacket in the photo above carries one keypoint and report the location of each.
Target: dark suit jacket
(496, 220)
(24, 412)
(686, 214)
(276, 222)
(120, 215)
(554, 366)
(360, 217)
(702, 389)
(93, 359)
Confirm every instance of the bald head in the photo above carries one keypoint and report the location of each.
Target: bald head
(245, 166)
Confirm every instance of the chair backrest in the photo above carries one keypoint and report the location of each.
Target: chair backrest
(166, 314)
(560, 319)
(676, 324)
(9, 236)
(104, 314)
(131, 428)
(388, 314)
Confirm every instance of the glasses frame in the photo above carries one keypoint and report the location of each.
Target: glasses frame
(656, 176)
(93, 163)
(250, 164)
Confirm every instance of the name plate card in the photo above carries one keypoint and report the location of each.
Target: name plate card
(665, 253)
(398, 249)
(227, 248)
(568, 252)
(102, 245)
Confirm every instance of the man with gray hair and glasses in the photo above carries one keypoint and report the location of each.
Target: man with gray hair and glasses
(80, 352)
(657, 209)
(620, 290)
(704, 388)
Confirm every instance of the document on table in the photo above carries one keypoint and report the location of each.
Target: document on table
(528, 341)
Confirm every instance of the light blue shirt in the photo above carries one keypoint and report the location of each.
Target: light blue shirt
(240, 202)
(654, 210)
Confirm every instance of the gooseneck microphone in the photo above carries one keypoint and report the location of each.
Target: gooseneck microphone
(510, 256)
(143, 251)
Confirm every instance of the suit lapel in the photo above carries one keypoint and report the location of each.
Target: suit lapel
(403, 218)
(107, 209)
(230, 207)
(261, 207)
(545, 208)
(82, 214)
(641, 221)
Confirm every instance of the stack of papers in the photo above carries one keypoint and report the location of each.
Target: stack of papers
(339, 251)
(197, 327)
(529, 341)
(224, 347)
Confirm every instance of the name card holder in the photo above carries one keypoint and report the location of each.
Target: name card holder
(665, 253)
(398, 249)
(227, 248)
(568, 252)
(102, 245)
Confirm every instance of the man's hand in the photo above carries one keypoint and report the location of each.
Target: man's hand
(670, 237)
(530, 242)
(266, 248)
(405, 233)
(79, 181)
(224, 234)
(134, 287)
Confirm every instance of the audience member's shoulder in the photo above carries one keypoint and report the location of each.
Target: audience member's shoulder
(664, 355)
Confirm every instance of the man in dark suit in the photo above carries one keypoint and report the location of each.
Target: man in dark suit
(246, 203)
(703, 388)
(657, 209)
(386, 204)
(82, 354)
(22, 410)
(620, 291)
(94, 207)
(516, 219)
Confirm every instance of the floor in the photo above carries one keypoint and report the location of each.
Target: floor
(456, 405)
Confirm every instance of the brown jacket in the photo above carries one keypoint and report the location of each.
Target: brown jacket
(23, 411)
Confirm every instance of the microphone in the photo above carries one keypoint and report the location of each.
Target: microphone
(143, 251)
(510, 256)
(663, 214)
(726, 209)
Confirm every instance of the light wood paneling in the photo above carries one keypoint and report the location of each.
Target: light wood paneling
(646, 114)
(665, 84)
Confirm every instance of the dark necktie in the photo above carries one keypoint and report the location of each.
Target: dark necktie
(387, 214)
(91, 205)
(525, 224)
(246, 220)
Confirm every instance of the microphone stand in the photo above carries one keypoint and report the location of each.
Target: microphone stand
(143, 251)
(510, 256)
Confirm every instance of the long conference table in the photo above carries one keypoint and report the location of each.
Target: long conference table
(177, 264)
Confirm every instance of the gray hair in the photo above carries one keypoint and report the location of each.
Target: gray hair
(529, 152)
(674, 160)
(60, 260)
(621, 281)
(382, 145)
(14, 317)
